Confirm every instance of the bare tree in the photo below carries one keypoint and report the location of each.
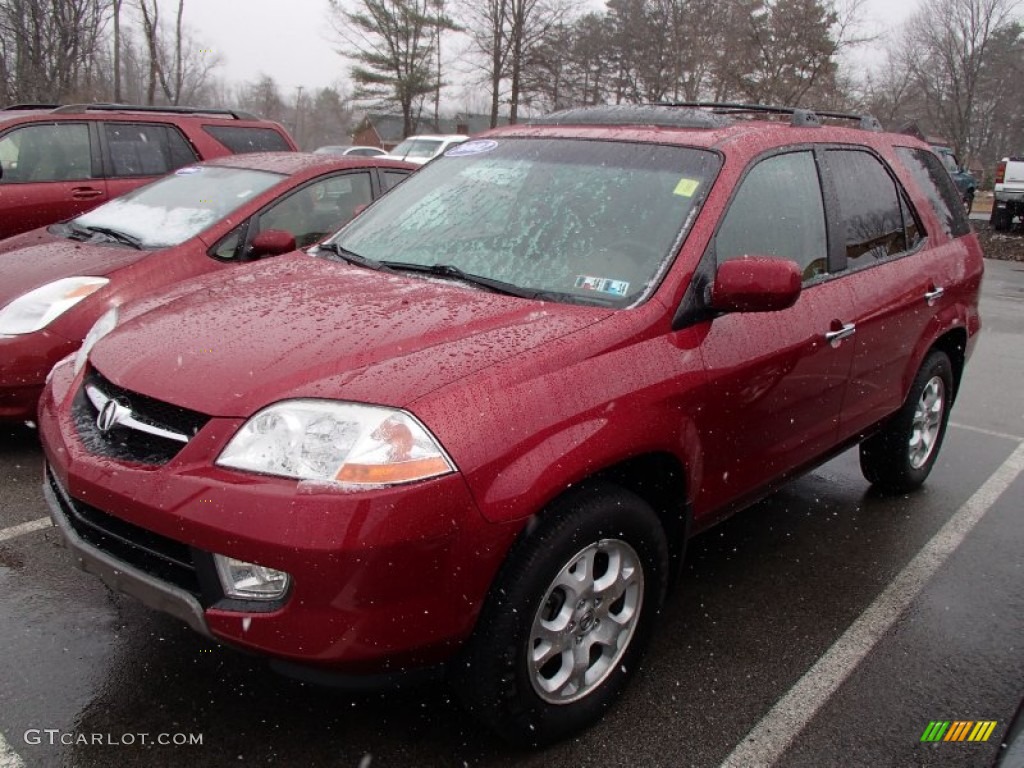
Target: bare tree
(46, 46)
(954, 38)
(485, 22)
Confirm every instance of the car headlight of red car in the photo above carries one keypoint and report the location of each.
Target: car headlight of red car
(38, 308)
(347, 443)
(103, 326)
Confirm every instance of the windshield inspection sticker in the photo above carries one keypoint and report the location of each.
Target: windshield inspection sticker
(468, 148)
(187, 171)
(602, 285)
(686, 187)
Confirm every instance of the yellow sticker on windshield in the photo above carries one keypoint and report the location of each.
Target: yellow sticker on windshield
(686, 187)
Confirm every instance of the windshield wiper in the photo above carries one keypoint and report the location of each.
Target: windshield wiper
(497, 286)
(450, 270)
(112, 234)
(351, 257)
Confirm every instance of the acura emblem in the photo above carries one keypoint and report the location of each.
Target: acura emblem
(110, 415)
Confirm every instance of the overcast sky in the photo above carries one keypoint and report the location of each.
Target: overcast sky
(291, 40)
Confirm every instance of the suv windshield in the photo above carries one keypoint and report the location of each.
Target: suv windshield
(417, 148)
(593, 221)
(177, 207)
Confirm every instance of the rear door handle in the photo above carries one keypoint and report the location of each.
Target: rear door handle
(834, 337)
(85, 193)
(934, 295)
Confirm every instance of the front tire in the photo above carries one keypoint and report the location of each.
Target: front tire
(899, 458)
(568, 617)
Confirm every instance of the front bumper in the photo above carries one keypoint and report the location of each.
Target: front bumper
(117, 574)
(381, 580)
(24, 363)
(1006, 196)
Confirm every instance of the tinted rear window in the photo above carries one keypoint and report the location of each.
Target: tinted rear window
(242, 140)
(938, 187)
(870, 205)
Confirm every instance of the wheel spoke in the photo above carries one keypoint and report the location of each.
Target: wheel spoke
(546, 650)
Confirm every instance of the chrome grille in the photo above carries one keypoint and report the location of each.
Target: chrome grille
(136, 428)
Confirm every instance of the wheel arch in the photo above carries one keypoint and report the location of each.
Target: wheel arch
(659, 478)
(954, 344)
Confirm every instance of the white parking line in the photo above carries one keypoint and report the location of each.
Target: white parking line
(20, 530)
(8, 757)
(775, 732)
(989, 432)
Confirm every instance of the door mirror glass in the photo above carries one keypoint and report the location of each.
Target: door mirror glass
(272, 242)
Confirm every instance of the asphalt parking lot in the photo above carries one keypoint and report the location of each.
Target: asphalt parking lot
(825, 626)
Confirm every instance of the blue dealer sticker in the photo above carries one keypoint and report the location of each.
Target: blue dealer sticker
(602, 285)
(468, 148)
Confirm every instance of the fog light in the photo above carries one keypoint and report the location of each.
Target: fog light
(249, 581)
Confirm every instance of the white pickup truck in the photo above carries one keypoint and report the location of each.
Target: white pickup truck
(1009, 193)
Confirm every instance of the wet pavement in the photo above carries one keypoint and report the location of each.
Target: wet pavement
(764, 597)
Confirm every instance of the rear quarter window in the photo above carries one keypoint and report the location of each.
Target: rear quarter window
(874, 215)
(242, 140)
(930, 174)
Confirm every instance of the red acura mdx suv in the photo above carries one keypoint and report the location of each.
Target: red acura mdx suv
(475, 430)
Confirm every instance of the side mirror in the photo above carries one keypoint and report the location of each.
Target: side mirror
(273, 242)
(756, 284)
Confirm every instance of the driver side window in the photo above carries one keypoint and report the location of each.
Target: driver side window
(778, 211)
(318, 209)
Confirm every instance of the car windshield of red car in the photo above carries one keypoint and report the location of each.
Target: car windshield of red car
(173, 209)
(598, 221)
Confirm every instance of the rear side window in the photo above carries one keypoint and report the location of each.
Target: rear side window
(778, 211)
(241, 140)
(145, 150)
(871, 206)
(938, 187)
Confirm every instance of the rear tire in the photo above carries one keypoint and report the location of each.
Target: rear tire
(568, 617)
(1001, 219)
(969, 200)
(899, 458)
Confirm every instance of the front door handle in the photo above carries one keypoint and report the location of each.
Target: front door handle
(934, 295)
(85, 193)
(835, 337)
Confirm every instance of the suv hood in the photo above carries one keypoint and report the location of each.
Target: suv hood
(300, 326)
(36, 258)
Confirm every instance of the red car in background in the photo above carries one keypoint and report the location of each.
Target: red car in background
(474, 432)
(59, 161)
(56, 281)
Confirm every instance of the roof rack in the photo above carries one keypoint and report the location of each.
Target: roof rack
(237, 114)
(24, 107)
(661, 115)
(804, 118)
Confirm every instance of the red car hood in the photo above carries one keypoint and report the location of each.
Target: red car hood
(36, 258)
(298, 326)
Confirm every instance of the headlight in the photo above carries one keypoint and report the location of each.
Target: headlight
(36, 309)
(101, 328)
(348, 443)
